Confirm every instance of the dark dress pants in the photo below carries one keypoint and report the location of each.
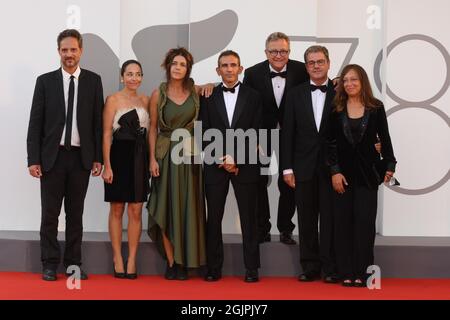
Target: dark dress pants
(67, 180)
(355, 215)
(286, 206)
(216, 195)
(315, 221)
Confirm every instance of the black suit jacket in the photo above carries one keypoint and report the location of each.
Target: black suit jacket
(304, 148)
(358, 158)
(258, 78)
(247, 115)
(48, 116)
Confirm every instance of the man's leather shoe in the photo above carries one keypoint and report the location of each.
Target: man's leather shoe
(286, 238)
(251, 275)
(49, 275)
(213, 275)
(331, 278)
(308, 277)
(83, 275)
(264, 238)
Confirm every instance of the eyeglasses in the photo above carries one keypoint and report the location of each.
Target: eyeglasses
(274, 53)
(320, 63)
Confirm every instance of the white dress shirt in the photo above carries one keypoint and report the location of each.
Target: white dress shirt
(75, 141)
(230, 101)
(278, 84)
(318, 103)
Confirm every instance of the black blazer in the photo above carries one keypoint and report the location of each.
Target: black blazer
(48, 116)
(258, 77)
(247, 115)
(358, 158)
(303, 147)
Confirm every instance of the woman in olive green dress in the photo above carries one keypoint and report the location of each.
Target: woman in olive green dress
(176, 205)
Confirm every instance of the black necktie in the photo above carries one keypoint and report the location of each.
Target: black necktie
(321, 88)
(68, 137)
(278, 74)
(232, 90)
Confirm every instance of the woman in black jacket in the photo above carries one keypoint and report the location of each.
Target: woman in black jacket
(358, 123)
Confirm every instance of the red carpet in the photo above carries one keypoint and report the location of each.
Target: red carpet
(15, 285)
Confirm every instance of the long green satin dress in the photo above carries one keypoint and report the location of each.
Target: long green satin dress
(176, 205)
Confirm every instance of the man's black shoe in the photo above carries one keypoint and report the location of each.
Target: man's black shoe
(83, 275)
(331, 278)
(308, 277)
(286, 238)
(49, 275)
(213, 275)
(251, 275)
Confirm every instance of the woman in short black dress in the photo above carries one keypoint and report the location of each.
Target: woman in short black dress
(125, 154)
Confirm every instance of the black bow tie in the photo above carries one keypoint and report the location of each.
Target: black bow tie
(232, 90)
(278, 74)
(321, 88)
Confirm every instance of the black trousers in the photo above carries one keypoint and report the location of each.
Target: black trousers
(67, 180)
(216, 195)
(286, 206)
(315, 221)
(262, 207)
(355, 215)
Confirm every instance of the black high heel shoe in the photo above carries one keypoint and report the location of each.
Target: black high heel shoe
(120, 275)
(131, 276)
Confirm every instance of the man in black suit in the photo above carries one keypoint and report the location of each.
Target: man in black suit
(306, 121)
(272, 79)
(232, 109)
(64, 145)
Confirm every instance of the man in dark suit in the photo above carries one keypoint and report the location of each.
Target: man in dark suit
(234, 110)
(272, 79)
(64, 145)
(306, 121)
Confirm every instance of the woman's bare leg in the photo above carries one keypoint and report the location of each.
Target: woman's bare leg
(115, 233)
(134, 233)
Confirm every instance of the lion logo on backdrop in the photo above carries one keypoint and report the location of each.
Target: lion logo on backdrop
(151, 44)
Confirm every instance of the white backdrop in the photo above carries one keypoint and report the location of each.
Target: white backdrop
(415, 66)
